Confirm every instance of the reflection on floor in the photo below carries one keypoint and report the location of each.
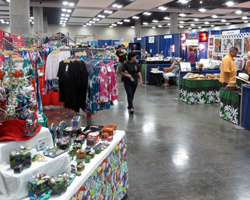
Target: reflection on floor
(178, 151)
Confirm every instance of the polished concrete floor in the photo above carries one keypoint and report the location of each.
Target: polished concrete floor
(178, 151)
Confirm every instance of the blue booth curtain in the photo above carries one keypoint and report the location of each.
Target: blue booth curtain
(245, 29)
(176, 43)
(245, 121)
(215, 32)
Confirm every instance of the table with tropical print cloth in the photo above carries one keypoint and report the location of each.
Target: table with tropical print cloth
(199, 91)
(230, 105)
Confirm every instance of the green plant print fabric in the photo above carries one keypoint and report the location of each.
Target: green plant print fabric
(110, 181)
(230, 105)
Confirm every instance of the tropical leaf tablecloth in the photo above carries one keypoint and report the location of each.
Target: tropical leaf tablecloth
(110, 181)
(230, 105)
(200, 91)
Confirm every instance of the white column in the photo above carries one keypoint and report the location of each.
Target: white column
(173, 23)
(38, 19)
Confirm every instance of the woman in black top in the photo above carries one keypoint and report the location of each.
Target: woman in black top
(131, 72)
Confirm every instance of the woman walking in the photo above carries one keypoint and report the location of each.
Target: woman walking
(191, 57)
(131, 73)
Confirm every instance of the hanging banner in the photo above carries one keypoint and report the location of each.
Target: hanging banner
(172, 48)
(233, 32)
(167, 36)
(192, 42)
(139, 38)
(151, 40)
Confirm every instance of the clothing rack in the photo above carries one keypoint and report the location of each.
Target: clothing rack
(89, 119)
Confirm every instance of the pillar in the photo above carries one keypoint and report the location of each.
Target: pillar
(19, 16)
(38, 19)
(173, 23)
(137, 28)
(45, 25)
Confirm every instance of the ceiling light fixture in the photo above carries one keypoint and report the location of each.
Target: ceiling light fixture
(64, 25)
(67, 15)
(162, 8)
(101, 16)
(244, 17)
(65, 3)
(182, 15)
(223, 20)
(202, 10)
(119, 22)
(196, 19)
(160, 26)
(62, 17)
(199, 27)
(8, 0)
(230, 3)
(115, 5)
(206, 22)
(136, 17)
(126, 20)
(147, 13)
(227, 24)
(212, 25)
(64, 10)
(9, 22)
(166, 18)
(192, 24)
(181, 22)
(153, 27)
(155, 21)
(245, 22)
(119, 6)
(183, 1)
(69, 11)
(132, 27)
(189, 28)
(145, 23)
(31, 17)
(62, 14)
(110, 26)
(169, 24)
(66, 18)
(181, 26)
(214, 16)
(96, 19)
(71, 4)
(238, 12)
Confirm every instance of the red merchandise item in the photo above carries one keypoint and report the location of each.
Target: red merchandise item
(96, 135)
(13, 129)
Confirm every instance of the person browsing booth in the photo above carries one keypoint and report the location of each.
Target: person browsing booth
(228, 68)
(171, 71)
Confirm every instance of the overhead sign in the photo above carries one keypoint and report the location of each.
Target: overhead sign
(203, 36)
(167, 36)
(139, 38)
(192, 42)
(151, 40)
(233, 32)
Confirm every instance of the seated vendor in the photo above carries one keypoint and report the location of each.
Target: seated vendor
(246, 69)
(170, 71)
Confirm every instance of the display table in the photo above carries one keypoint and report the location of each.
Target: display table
(105, 177)
(199, 91)
(15, 186)
(230, 105)
(245, 121)
(158, 76)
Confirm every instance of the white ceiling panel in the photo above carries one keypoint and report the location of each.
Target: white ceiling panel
(229, 16)
(75, 24)
(243, 5)
(86, 12)
(124, 14)
(4, 8)
(221, 11)
(146, 4)
(79, 19)
(209, 20)
(94, 3)
(101, 24)
(198, 15)
(4, 13)
(108, 21)
(182, 19)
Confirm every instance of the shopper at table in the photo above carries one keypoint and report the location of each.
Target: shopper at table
(228, 67)
(131, 73)
(191, 57)
(246, 69)
(170, 71)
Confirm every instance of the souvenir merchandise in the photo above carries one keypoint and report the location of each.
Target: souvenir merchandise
(60, 128)
(38, 156)
(20, 157)
(98, 150)
(63, 143)
(30, 128)
(91, 154)
(71, 131)
(53, 152)
(80, 167)
(91, 141)
(39, 187)
(80, 153)
(79, 140)
(18, 169)
(77, 146)
(76, 122)
(95, 135)
(70, 177)
(90, 129)
(110, 139)
(104, 136)
(87, 159)
(52, 130)
(110, 129)
(58, 184)
(102, 146)
(71, 153)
